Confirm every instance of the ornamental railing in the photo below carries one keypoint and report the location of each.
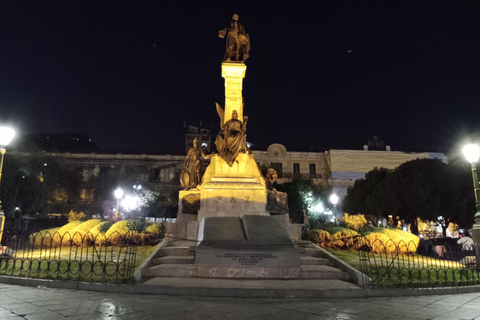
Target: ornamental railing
(78, 256)
(424, 264)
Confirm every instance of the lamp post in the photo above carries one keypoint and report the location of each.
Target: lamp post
(6, 135)
(472, 153)
(118, 194)
(334, 201)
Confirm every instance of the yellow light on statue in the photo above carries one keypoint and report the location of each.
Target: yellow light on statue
(471, 152)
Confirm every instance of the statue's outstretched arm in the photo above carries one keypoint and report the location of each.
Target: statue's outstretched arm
(207, 156)
(221, 114)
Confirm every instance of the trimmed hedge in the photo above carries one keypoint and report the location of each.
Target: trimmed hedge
(81, 235)
(62, 232)
(43, 238)
(319, 237)
(386, 240)
(343, 237)
(99, 232)
(379, 242)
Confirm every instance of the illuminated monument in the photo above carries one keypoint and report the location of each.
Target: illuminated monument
(232, 186)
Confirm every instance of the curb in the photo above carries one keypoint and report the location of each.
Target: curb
(233, 292)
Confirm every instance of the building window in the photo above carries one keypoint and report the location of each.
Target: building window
(278, 168)
(296, 168)
(312, 170)
(154, 176)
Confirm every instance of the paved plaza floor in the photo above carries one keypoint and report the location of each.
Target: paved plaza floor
(18, 302)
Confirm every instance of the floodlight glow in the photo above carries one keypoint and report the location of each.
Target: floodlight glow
(118, 193)
(334, 199)
(130, 203)
(6, 135)
(318, 208)
(471, 152)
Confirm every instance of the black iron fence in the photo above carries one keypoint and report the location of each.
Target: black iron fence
(80, 256)
(424, 264)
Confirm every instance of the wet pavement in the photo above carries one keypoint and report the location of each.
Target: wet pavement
(18, 302)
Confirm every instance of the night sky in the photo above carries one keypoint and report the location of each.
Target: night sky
(322, 74)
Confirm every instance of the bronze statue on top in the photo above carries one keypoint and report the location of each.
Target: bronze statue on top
(238, 42)
(232, 138)
(190, 175)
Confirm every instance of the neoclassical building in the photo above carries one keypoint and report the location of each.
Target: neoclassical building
(293, 164)
(335, 168)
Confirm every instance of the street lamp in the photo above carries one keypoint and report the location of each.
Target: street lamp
(334, 201)
(118, 194)
(472, 153)
(6, 135)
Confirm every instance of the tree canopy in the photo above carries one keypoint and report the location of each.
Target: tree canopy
(423, 188)
(301, 195)
(36, 184)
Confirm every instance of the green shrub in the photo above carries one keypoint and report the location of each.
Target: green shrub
(64, 233)
(354, 222)
(343, 237)
(81, 234)
(410, 239)
(98, 231)
(116, 232)
(152, 234)
(43, 238)
(319, 237)
(393, 240)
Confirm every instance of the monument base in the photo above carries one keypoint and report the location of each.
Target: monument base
(233, 191)
(250, 247)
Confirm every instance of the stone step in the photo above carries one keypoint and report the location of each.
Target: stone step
(313, 261)
(323, 272)
(174, 251)
(174, 260)
(312, 252)
(187, 271)
(255, 284)
(169, 270)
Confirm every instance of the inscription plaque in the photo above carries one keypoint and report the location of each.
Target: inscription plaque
(246, 258)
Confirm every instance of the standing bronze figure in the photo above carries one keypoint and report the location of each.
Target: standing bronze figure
(238, 42)
(190, 175)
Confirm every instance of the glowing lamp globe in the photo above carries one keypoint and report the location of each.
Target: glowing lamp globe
(118, 193)
(334, 199)
(471, 152)
(6, 135)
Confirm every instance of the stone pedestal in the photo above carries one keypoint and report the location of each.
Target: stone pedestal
(233, 72)
(250, 247)
(233, 191)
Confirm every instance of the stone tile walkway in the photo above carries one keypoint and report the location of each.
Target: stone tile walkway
(18, 302)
